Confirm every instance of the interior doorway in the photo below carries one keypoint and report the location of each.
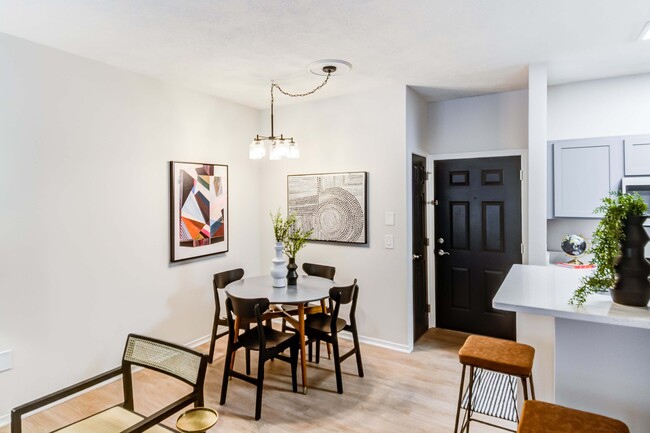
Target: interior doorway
(420, 243)
(477, 239)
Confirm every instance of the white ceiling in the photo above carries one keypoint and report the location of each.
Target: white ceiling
(444, 48)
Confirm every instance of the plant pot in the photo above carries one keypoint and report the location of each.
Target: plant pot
(632, 286)
(278, 271)
(292, 275)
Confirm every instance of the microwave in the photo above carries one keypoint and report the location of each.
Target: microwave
(638, 184)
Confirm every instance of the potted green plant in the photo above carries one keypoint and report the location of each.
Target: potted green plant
(618, 210)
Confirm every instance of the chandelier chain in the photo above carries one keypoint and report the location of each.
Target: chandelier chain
(297, 95)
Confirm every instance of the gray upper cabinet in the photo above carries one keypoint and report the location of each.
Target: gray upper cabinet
(585, 171)
(637, 155)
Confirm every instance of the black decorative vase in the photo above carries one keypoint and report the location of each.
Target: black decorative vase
(632, 286)
(292, 275)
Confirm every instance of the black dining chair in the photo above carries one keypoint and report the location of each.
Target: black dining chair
(326, 327)
(315, 270)
(219, 282)
(264, 339)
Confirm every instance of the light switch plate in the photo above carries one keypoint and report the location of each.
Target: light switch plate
(6, 362)
(388, 242)
(389, 218)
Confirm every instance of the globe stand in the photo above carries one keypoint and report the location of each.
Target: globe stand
(575, 261)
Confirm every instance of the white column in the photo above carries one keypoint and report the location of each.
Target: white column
(537, 163)
(538, 331)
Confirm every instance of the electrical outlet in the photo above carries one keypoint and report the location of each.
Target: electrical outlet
(388, 242)
(6, 362)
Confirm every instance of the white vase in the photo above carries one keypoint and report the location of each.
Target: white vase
(279, 269)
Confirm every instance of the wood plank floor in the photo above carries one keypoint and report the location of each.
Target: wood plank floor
(400, 392)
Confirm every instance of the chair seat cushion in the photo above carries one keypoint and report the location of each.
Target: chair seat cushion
(495, 354)
(321, 322)
(111, 420)
(251, 340)
(541, 417)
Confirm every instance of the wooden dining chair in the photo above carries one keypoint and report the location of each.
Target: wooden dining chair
(264, 339)
(219, 282)
(185, 365)
(314, 270)
(326, 327)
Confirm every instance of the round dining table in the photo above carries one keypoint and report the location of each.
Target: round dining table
(307, 289)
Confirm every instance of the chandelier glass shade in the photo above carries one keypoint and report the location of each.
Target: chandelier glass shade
(281, 147)
(278, 148)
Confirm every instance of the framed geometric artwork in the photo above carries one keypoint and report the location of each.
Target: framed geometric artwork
(199, 209)
(334, 205)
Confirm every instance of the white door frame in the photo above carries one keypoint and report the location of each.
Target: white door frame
(431, 159)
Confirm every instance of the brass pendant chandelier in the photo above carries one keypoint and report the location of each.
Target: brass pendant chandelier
(281, 147)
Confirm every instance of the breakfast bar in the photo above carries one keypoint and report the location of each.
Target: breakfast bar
(602, 349)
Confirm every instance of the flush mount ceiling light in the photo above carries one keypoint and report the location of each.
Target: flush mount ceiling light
(281, 147)
(645, 34)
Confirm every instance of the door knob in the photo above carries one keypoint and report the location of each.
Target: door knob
(416, 256)
(443, 253)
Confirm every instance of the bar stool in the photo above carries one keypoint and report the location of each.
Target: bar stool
(486, 357)
(542, 417)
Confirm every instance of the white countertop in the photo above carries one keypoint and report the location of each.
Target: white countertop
(545, 290)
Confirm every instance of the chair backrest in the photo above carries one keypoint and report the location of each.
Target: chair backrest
(247, 310)
(220, 281)
(316, 270)
(171, 359)
(341, 296)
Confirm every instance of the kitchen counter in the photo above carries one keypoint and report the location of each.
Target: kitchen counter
(599, 351)
(546, 290)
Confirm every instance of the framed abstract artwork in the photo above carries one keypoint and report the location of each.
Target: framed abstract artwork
(334, 205)
(199, 209)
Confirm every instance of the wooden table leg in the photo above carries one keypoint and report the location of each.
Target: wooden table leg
(303, 352)
(329, 346)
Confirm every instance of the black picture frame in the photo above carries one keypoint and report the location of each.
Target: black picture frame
(334, 205)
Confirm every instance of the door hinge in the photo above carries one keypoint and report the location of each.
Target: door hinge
(522, 249)
(426, 242)
(428, 308)
(426, 175)
(521, 175)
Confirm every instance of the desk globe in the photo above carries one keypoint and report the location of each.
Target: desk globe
(574, 246)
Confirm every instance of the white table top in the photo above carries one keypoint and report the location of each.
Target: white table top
(545, 290)
(308, 289)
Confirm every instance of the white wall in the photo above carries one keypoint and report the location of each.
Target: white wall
(359, 132)
(599, 108)
(482, 123)
(84, 220)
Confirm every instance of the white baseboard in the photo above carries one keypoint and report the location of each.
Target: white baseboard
(4, 420)
(197, 342)
(380, 343)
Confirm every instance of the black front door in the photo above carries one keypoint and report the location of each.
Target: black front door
(478, 239)
(418, 200)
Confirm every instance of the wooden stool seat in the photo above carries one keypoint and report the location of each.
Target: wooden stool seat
(494, 364)
(499, 355)
(541, 417)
